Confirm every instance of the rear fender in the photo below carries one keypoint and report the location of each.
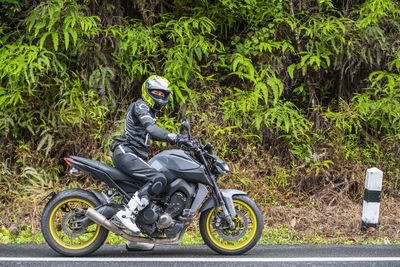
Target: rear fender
(227, 194)
(52, 194)
(106, 210)
(99, 196)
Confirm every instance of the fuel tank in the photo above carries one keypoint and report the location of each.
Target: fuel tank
(179, 164)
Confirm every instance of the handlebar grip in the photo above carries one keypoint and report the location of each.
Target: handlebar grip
(190, 145)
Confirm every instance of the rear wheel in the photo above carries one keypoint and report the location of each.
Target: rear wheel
(62, 228)
(248, 227)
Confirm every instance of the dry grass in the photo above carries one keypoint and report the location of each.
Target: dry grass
(314, 222)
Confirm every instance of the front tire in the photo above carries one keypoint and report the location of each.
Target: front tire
(248, 222)
(58, 226)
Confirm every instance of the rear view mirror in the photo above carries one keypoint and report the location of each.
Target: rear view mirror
(185, 126)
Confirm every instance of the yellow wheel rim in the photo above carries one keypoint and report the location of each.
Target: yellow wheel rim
(246, 227)
(64, 239)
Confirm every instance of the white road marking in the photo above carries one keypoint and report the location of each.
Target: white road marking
(220, 259)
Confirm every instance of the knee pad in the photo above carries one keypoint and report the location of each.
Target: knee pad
(157, 188)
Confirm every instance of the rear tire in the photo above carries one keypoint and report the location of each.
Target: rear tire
(57, 227)
(248, 222)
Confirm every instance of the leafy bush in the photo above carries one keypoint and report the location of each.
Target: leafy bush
(301, 95)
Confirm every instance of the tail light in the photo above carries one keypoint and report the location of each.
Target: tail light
(66, 160)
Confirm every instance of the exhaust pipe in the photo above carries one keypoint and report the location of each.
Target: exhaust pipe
(104, 222)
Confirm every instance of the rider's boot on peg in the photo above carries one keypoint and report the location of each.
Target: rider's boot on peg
(128, 216)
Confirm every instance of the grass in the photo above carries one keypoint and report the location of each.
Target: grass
(274, 236)
(27, 235)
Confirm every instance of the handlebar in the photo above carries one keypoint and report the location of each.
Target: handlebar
(191, 145)
(195, 146)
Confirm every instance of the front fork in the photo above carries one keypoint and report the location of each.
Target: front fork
(220, 200)
(227, 215)
(227, 205)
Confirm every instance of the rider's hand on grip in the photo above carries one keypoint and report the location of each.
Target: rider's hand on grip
(185, 143)
(182, 139)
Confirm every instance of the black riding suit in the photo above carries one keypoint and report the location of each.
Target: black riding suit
(130, 155)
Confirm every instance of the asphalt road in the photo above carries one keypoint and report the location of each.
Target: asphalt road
(110, 256)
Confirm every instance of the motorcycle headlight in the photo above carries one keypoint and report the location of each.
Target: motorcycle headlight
(222, 167)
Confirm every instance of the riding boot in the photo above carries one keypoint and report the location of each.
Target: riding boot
(128, 216)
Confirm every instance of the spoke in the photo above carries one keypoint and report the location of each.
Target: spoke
(61, 211)
(64, 239)
(68, 206)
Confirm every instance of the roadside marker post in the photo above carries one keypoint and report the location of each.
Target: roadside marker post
(372, 197)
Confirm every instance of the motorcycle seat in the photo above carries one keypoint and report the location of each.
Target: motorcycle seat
(113, 173)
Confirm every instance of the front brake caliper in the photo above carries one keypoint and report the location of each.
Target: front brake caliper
(238, 232)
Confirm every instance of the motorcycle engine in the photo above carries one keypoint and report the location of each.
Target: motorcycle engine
(160, 220)
(176, 204)
(147, 218)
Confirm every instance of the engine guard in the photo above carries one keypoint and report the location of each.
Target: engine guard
(227, 194)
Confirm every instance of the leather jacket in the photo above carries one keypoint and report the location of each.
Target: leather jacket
(140, 127)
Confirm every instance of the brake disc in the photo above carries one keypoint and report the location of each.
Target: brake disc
(240, 230)
(70, 225)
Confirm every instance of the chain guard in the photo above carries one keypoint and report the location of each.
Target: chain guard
(238, 232)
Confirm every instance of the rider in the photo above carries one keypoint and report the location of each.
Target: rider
(130, 154)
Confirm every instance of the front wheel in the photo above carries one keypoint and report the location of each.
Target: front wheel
(62, 225)
(248, 227)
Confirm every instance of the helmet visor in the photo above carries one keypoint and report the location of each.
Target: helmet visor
(159, 94)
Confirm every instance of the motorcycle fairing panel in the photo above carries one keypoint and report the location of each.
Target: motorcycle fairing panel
(177, 163)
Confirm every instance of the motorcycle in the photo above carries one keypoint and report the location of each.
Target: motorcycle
(76, 222)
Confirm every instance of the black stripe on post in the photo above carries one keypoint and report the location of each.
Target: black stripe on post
(372, 195)
(365, 226)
